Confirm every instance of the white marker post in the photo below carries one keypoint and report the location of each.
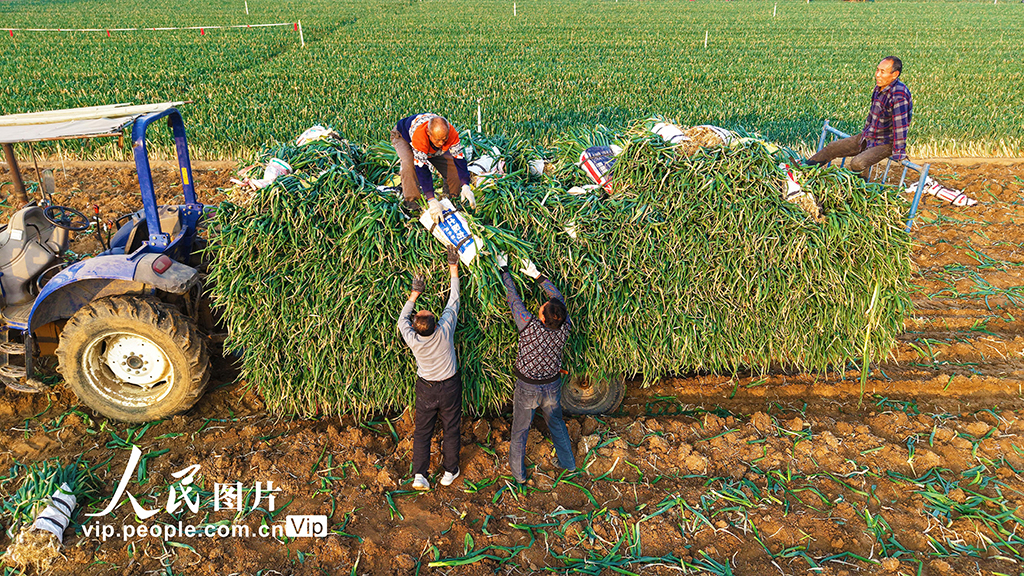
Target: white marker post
(246, 7)
(513, 9)
(775, 10)
(705, 39)
(302, 40)
(479, 130)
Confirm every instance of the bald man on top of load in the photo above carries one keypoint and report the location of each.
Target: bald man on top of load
(423, 138)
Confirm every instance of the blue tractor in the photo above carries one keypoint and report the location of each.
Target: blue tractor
(125, 323)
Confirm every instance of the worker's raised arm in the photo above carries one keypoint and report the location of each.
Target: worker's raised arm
(451, 311)
(519, 313)
(549, 288)
(530, 269)
(404, 323)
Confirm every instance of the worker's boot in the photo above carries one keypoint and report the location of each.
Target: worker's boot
(412, 207)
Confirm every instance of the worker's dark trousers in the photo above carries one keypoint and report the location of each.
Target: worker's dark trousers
(433, 399)
(855, 146)
(444, 164)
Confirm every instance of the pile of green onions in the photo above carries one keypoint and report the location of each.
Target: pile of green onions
(693, 263)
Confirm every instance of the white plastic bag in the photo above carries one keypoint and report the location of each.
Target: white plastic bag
(56, 516)
(951, 195)
(315, 133)
(274, 170)
(487, 166)
(670, 133)
(537, 166)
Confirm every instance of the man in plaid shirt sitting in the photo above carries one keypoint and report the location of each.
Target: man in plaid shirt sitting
(885, 132)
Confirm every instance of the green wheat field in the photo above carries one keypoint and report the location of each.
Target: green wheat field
(779, 69)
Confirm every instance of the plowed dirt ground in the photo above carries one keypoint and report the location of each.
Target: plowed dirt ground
(793, 473)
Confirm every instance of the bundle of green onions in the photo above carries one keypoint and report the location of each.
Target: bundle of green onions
(694, 262)
(38, 482)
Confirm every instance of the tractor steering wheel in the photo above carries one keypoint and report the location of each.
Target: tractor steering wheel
(66, 218)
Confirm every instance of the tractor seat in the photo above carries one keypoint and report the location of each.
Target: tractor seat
(28, 224)
(135, 232)
(28, 246)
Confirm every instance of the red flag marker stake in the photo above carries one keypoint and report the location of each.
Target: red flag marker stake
(202, 32)
(108, 33)
(296, 27)
(12, 33)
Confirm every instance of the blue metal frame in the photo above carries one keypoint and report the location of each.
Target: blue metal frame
(192, 209)
(110, 274)
(123, 266)
(922, 170)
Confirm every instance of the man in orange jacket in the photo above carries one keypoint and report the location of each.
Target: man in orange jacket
(423, 138)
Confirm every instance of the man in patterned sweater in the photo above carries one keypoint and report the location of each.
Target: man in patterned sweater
(885, 131)
(423, 138)
(538, 369)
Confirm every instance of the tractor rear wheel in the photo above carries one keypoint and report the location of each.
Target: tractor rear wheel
(581, 395)
(134, 359)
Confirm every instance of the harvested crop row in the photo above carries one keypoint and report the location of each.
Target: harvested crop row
(693, 263)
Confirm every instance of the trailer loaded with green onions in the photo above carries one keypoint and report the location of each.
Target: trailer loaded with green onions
(695, 261)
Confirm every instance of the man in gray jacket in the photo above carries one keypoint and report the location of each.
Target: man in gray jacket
(438, 383)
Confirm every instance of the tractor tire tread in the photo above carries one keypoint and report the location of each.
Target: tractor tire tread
(165, 318)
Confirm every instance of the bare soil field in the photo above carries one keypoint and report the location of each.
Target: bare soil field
(790, 473)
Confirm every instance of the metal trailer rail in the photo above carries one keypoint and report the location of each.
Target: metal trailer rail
(827, 130)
